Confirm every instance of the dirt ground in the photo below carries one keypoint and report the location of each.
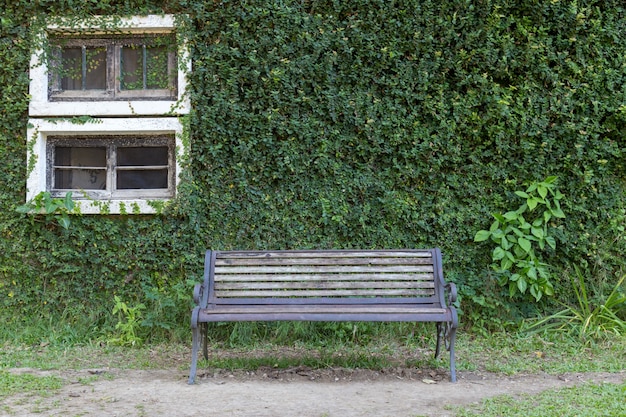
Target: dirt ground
(271, 392)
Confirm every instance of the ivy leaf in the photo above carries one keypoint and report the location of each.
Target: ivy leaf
(64, 222)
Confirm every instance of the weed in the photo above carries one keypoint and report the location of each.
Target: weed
(587, 320)
(128, 324)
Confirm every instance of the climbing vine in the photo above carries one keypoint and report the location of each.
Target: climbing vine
(325, 124)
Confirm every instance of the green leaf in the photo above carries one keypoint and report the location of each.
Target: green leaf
(506, 264)
(482, 235)
(499, 217)
(538, 232)
(557, 212)
(542, 190)
(64, 222)
(511, 215)
(522, 194)
(522, 285)
(550, 240)
(498, 253)
(535, 292)
(68, 202)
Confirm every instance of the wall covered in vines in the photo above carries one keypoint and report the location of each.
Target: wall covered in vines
(344, 124)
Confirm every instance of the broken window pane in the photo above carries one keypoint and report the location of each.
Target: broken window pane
(71, 69)
(95, 71)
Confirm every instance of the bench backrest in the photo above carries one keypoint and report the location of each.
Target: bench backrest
(342, 276)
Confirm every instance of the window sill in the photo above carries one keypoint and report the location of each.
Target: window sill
(120, 206)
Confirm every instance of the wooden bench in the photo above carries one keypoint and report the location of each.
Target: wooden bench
(343, 285)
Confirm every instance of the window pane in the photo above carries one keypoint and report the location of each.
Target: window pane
(131, 76)
(156, 72)
(80, 168)
(142, 156)
(71, 68)
(95, 74)
(141, 179)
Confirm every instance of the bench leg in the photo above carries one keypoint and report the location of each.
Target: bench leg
(446, 336)
(439, 337)
(452, 356)
(205, 340)
(194, 354)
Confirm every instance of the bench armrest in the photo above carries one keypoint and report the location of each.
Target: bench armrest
(198, 290)
(451, 289)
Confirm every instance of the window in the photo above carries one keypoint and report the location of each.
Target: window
(106, 96)
(137, 69)
(113, 68)
(111, 167)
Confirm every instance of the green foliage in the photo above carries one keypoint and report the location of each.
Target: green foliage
(326, 124)
(514, 258)
(53, 209)
(129, 320)
(590, 318)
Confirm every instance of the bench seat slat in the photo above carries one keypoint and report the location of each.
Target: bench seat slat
(304, 285)
(420, 277)
(320, 308)
(328, 269)
(324, 293)
(322, 261)
(325, 254)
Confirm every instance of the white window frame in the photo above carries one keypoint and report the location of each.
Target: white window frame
(40, 129)
(42, 106)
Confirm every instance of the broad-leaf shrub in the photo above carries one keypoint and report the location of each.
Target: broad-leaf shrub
(518, 233)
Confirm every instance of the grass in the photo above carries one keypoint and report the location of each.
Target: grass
(502, 353)
(25, 383)
(588, 400)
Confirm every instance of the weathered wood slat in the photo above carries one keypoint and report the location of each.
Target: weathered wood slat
(323, 261)
(306, 308)
(423, 277)
(379, 269)
(324, 293)
(317, 254)
(221, 286)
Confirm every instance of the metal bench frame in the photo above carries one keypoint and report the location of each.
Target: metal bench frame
(341, 285)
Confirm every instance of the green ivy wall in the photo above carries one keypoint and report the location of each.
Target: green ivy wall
(344, 124)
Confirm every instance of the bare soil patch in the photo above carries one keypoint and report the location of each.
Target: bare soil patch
(299, 391)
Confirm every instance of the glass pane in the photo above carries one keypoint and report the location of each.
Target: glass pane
(71, 68)
(95, 78)
(156, 72)
(132, 67)
(86, 168)
(142, 156)
(80, 156)
(141, 179)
